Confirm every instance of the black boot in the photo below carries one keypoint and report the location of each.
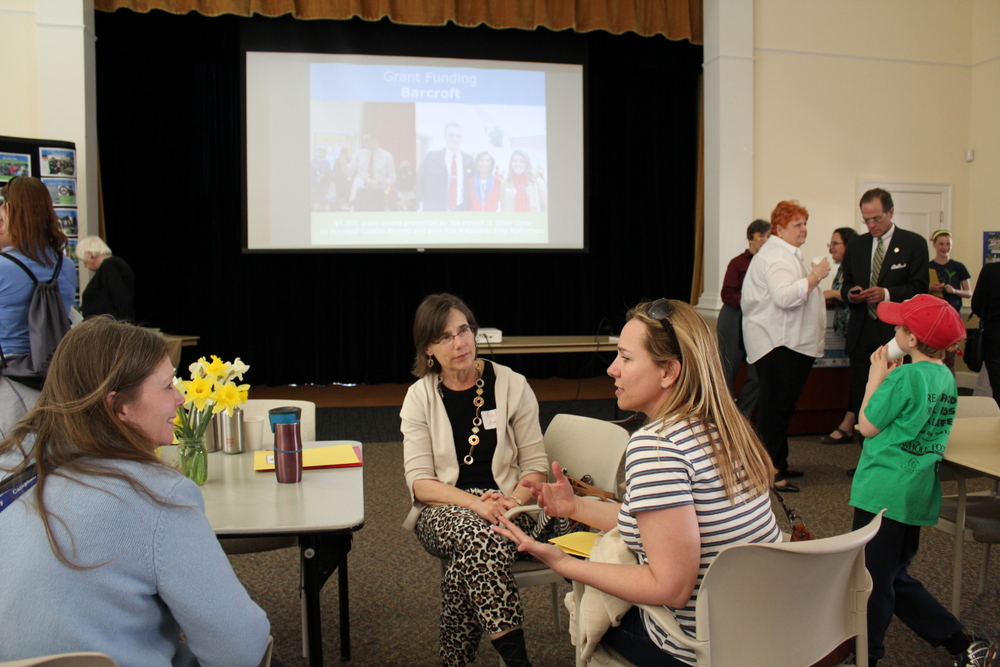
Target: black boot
(512, 649)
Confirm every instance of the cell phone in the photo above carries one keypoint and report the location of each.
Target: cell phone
(855, 290)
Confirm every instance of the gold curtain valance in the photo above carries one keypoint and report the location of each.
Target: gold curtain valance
(675, 19)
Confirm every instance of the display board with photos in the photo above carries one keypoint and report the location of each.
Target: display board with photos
(54, 162)
(991, 247)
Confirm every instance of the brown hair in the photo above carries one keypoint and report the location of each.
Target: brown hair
(785, 212)
(76, 427)
(846, 234)
(877, 193)
(428, 325)
(924, 348)
(700, 393)
(32, 225)
(758, 226)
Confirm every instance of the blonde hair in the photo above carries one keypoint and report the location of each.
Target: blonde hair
(700, 393)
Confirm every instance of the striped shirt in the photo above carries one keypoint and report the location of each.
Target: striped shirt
(673, 469)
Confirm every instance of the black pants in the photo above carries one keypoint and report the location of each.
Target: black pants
(782, 374)
(894, 591)
(631, 640)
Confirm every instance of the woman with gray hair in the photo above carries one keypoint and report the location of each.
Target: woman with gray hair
(111, 290)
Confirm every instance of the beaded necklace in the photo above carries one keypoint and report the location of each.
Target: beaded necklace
(477, 421)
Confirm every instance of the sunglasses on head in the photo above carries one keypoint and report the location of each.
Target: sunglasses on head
(661, 310)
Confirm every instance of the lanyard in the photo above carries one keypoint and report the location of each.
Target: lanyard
(15, 486)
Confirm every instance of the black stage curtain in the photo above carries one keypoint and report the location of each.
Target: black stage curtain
(169, 126)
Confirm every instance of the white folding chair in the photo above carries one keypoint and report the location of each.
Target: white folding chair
(741, 622)
(65, 660)
(585, 448)
(258, 407)
(982, 512)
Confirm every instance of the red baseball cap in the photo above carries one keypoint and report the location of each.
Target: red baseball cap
(932, 320)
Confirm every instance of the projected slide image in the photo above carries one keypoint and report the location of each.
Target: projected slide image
(362, 156)
(355, 152)
(438, 154)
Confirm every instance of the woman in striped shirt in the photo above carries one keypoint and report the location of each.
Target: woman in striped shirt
(696, 480)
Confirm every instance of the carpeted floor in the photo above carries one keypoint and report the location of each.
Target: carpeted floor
(394, 583)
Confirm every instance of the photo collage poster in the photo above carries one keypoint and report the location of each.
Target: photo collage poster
(54, 163)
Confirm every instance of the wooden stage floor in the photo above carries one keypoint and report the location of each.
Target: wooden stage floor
(340, 396)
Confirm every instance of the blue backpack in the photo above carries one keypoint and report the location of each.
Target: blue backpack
(48, 322)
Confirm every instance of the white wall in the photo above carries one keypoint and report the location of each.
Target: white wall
(984, 126)
(841, 90)
(20, 116)
(896, 90)
(48, 77)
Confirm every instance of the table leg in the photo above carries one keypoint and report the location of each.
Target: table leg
(345, 611)
(320, 556)
(956, 579)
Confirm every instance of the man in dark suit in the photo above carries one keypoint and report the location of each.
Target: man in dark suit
(444, 176)
(898, 258)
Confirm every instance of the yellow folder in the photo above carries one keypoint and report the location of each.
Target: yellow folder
(576, 544)
(336, 456)
(934, 279)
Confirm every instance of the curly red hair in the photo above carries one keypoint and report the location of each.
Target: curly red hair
(784, 213)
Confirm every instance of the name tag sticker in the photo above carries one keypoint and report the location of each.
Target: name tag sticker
(490, 420)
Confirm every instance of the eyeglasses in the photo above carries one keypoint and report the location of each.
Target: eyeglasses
(449, 339)
(869, 221)
(661, 310)
(833, 243)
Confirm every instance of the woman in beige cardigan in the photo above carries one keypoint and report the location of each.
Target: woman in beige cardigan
(470, 436)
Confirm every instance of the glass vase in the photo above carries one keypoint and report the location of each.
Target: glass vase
(193, 459)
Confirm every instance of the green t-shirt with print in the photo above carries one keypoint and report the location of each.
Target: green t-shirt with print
(898, 471)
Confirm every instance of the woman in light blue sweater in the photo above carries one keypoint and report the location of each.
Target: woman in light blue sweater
(104, 548)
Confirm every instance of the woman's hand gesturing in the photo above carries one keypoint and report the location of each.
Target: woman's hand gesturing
(547, 553)
(555, 499)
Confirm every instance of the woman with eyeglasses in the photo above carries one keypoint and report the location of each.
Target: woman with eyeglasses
(696, 481)
(844, 433)
(470, 436)
(32, 236)
(784, 329)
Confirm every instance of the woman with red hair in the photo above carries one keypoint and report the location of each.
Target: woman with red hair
(784, 324)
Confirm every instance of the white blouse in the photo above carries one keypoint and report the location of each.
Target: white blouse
(778, 308)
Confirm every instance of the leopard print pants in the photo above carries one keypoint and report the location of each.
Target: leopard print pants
(478, 592)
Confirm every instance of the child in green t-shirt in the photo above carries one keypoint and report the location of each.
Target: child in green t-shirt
(906, 418)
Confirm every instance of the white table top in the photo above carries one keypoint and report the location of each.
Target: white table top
(975, 443)
(240, 501)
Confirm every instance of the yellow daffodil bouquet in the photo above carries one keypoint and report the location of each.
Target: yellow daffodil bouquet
(212, 389)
